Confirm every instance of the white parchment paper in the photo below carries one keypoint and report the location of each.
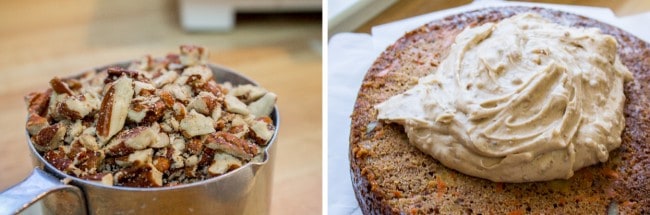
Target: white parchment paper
(351, 54)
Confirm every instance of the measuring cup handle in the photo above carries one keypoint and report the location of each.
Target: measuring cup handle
(37, 186)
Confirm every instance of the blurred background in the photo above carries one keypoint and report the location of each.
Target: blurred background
(277, 44)
(361, 15)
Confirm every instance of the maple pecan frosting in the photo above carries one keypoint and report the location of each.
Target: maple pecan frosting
(158, 122)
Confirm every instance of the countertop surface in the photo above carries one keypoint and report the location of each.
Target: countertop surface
(43, 39)
(406, 9)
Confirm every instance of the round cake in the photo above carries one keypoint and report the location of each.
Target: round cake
(391, 176)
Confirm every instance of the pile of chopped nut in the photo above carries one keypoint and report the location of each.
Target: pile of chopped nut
(159, 122)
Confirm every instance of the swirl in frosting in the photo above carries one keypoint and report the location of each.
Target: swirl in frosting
(517, 101)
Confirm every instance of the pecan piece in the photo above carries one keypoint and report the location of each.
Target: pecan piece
(195, 76)
(195, 124)
(238, 126)
(115, 73)
(223, 163)
(230, 144)
(49, 137)
(179, 92)
(60, 87)
(162, 142)
(37, 102)
(143, 89)
(130, 140)
(88, 141)
(263, 106)
(146, 110)
(194, 146)
(35, 123)
(143, 64)
(203, 103)
(136, 158)
(261, 132)
(114, 108)
(140, 176)
(59, 160)
(104, 178)
(247, 93)
(167, 98)
(193, 55)
(161, 163)
(235, 106)
(87, 160)
(165, 78)
(212, 87)
(78, 106)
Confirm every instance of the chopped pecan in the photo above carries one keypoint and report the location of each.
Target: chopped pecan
(167, 98)
(60, 87)
(87, 160)
(140, 176)
(230, 144)
(114, 108)
(143, 89)
(238, 126)
(73, 107)
(247, 93)
(115, 73)
(223, 163)
(206, 157)
(128, 141)
(88, 141)
(179, 92)
(58, 159)
(37, 102)
(195, 76)
(73, 84)
(161, 163)
(196, 124)
(104, 178)
(192, 160)
(193, 55)
(235, 106)
(212, 87)
(73, 131)
(145, 110)
(143, 64)
(165, 78)
(263, 106)
(162, 142)
(125, 127)
(179, 111)
(137, 158)
(35, 123)
(261, 132)
(49, 137)
(203, 103)
(195, 146)
(216, 114)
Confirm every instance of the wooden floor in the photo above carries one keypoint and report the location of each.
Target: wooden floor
(42, 39)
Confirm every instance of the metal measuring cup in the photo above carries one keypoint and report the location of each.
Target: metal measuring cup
(246, 190)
